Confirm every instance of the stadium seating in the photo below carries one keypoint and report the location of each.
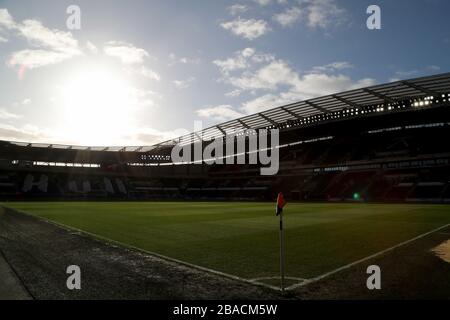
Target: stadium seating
(371, 154)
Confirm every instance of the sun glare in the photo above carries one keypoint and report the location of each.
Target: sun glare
(97, 108)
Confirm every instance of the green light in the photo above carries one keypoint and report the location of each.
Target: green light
(356, 196)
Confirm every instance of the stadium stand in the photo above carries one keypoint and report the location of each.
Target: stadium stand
(383, 143)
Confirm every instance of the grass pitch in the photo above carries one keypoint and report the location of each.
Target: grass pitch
(242, 238)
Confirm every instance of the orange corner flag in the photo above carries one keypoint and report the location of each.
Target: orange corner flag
(280, 203)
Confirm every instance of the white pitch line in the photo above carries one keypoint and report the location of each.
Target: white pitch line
(111, 241)
(364, 259)
(258, 281)
(278, 277)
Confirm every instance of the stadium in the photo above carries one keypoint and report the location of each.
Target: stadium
(366, 177)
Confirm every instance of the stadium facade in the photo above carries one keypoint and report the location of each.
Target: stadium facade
(384, 143)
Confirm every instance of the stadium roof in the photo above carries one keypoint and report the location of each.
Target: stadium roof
(384, 94)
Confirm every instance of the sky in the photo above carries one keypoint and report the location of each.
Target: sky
(141, 72)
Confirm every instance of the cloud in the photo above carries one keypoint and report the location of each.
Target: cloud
(50, 46)
(314, 85)
(288, 17)
(132, 57)
(26, 101)
(247, 28)
(127, 53)
(315, 13)
(268, 77)
(2, 39)
(264, 102)
(433, 68)
(234, 93)
(6, 20)
(142, 98)
(237, 8)
(335, 66)
(394, 79)
(148, 73)
(91, 47)
(151, 136)
(238, 61)
(136, 137)
(307, 87)
(54, 39)
(37, 58)
(219, 113)
(183, 60)
(248, 52)
(6, 115)
(183, 84)
(408, 74)
(277, 83)
(276, 73)
(323, 13)
(263, 2)
(262, 57)
(267, 2)
(242, 60)
(27, 133)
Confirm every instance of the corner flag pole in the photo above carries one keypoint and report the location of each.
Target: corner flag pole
(281, 252)
(279, 212)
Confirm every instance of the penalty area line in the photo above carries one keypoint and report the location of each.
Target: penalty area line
(315, 279)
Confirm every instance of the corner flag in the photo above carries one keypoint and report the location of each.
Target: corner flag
(280, 203)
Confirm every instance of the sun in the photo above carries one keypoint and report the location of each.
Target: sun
(97, 107)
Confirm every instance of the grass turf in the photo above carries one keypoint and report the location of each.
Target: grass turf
(242, 238)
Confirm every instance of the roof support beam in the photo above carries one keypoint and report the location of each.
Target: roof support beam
(315, 106)
(198, 136)
(243, 124)
(221, 130)
(291, 113)
(267, 119)
(379, 95)
(347, 102)
(420, 88)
